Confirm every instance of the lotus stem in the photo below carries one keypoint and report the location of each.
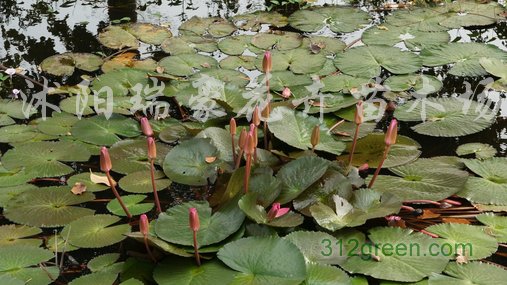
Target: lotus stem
(408, 208)
(390, 139)
(452, 202)
(267, 67)
(232, 130)
(144, 228)
(241, 144)
(358, 119)
(106, 166)
(379, 167)
(153, 185)
(249, 151)
(117, 195)
(422, 202)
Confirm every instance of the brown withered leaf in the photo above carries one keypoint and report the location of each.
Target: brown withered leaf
(210, 159)
(98, 179)
(456, 221)
(428, 214)
(78, 188)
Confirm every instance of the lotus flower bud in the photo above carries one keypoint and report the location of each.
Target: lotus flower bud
(266, 62)
(286, 93)
(194, 219)
(250, 144)
(146, 127)
(144, 225)
(152, 148)
(256, 119)
(242, 139)
(315, 136)
(232, 126)
(105, 160)
(392, 133)
(359, 115)
(276, 211)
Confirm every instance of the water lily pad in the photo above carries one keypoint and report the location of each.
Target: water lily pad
(446, 117)
(186, 64)
(18, 133)
(65, 64)
(7, 193)
(95, 278)
(497, 68)
(132, 202)
(132, 155)
(22, 256)
(234, 62)
(149, 33)
(84, 178)
(418, 83)
(491, 185)
(44, 159)
(281, 79)
(186, 272)
(78, 105)
(315, 246)
(102, 262)
(10, 110)
(117, 38)
(299, 61)
(285, 41)
(264, 260)
(338, 19)
(95, 231)
(173, 225)
(343, 82)
(100, 130)
(236, 45)
(480, 150)
(188, 44)
(466, 240)
(422, 19)
(470, 273)
(467, 14)
(253, 21)
(372, 112)
(12, 235)
(117, 83)
(161, 244)
(323, 274)
(325, 45)
(371, 148)
(13, 177)
(416, 182)
(140, 182)
(410, 267)
(9, 280)
(464, 56)
(228, 77)
(215, 27)
(496, 225)
(60, 124)
(34, 275)
(47, 207)
(410, 36)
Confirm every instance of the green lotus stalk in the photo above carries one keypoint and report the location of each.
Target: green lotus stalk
(106, 166)
(152, 156)
(249, 151)
(194, 226)
(232, 130)
(256, 120)
(390, 139)
(144, 228)
(315, 137)
(358, 119)
(267, 67)
(241, 144)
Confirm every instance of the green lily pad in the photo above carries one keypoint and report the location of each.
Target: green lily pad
(57, 243)
(295, 129)
(95, 278)
(236, 45)
(103, 261)
(186, 272)
(257, 213)
(266, 186)
(446, 117)
(130, 156)
(491, 185)
(497, 68)
(47, 207)
(100, 130)
(173, 133)
(186, 64)
(132, 202)
(414, 39)
(264, 260)
(281, 79)
(371, 148)
(60, 124)
(480, 150)
(285, 41)
(345, 131)
(173, 225)
(78, 105)
(84, 178)
(18, 133)
(117, 38)
(119, 82)
(10, 110)
(7, 193)
(34, 275)
(43, 159)
(464, 56)
(470, 14)
(470, 241)
(216, 27)
(421, 19)
(418, 83)
(343, 82)
(13, 177)
(480, 273)
(496, 225)
(411, 267)
(65, 64)
(322, 274)
(366, 61)
(253, 21)
(319, 247)
(186, 163)
(149, 33)
(234, 62)
(188, 44)
(95, 231)
(325, 45)
(338, 19)
(12, 235)
(229, 77)
(140, 182)
(22, 256)
(8, 280)
(372, 112)
(416, 182)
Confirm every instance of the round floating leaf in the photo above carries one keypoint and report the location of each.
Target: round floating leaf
(497, 68)
(286, 41)
(410, 267)
(11, 235)
(467, 14)
(229, 77)
(95, 231)
(236, 45)
(264, 260)
(476, 272)
(321, 274)
(95, 278)
(281, 79)
(56, 243)
(417, 182)
(480, 150)
(132, 155)
(413, 38)
(187, 162)
(234, 62)
(64, 64)
(10, 109)
(173, 225)
(59, 124)
(132, 281)
(101, 262)
(338, 19)
(132, 202)
(343, 82)
(371, 110)
(18, 133)
(140, 182)
(117, 38)
(371, 148)
(315, 246)
(84, 178)
(42, 159)
(47, 207)
(491, 186)
(186, 272)
(115, 83)
(160, 244)
(325, 45)
(21, 256)
(35, 275)
(345, 131)
(186, 64)
(149, 33)
(253, 21)
(446, 117)
(100, 130)
(188, 44)
(295, 129)
(13, 177)
(422, 19)
(75, 105)
(7, 193)
(418, 83)
(465, 57)
(497, 225)
(466, 240)
(366, 61)
(8, 280)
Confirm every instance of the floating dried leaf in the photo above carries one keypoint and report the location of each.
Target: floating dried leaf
(78, 188)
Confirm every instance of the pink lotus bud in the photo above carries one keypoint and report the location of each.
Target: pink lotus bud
(242, 139)
(359, 115)
(266, 62)
(392, 133)
(232, 126)
(250, 144)
(256, 116)
(152, 148)
(105, 160)
(286, 93)
(144, 225)
(276, 211)
(146, 127)
(363, 167)
(194, 219)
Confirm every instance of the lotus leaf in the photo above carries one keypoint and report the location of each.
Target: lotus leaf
(140, 182)
(491, 186)
(338, 19)
(480, 150)
(186, 272)
(95, 231)
(476, 272)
